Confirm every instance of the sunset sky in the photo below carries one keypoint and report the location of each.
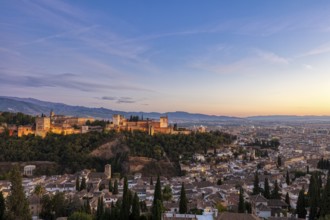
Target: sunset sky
(235, 58)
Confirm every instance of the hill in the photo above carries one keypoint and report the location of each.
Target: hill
(37, 107)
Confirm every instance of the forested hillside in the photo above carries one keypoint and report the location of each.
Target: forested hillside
(73, 152)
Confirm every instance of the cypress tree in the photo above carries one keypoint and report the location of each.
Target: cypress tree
(241, 203)
(314, 196)
(110, 186)
(17, 203)
(287, 178)
(115, 188)
(301, 205)
(279, 161)
(125, 205)
(325, 201)
(87, 208)
(157, 204)
(77, 184)
(2, 206)
(256, 187)
(100, 209)
(135, 208)
(83, 184)
(267, 190)
(287, 200)
(276, 192)
(183, 207)
(151, 182)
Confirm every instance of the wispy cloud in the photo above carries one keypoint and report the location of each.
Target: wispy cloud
(65, 80)
(325, 48)
(271, 57)
(120, 100)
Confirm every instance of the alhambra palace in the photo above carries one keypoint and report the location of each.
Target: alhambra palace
(61, 124)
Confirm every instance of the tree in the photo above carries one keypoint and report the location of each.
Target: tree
(267, 190)
(83, 184)
(125, 205)
(135, 215)
(301, 205)
(325, 201)
(241, 202)
(287, 200)
(46, 208)
(115, 187)
(256, 187)
(183, 206)
(151, 182)
(17, 203)
(219, 182)
(110, 186)
(314, 196)
(2, 206)
(279, 161)
(39, 191)
(276, 191)
(80, 216)
(100, 208)
(77, 184)
(157, 204)
(288, 182)
(167, 193)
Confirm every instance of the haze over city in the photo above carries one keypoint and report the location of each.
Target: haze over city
(236, 58)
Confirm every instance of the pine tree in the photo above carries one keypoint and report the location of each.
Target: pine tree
(110, 186)
(157, 204)
(17, 203)
(301, 205)
(115, 188)
(267, 190)
(256, 187)
(2, 206)
(83, 184)
(325, 201)
(287, 200)
(135, 208)
(276, 191)
(125, 205)
(77, 184)
(183, 207)
(241, 203)
(288, 182)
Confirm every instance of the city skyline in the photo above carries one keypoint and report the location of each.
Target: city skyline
(222, 58)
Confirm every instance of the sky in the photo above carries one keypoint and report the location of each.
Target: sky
(235, 58)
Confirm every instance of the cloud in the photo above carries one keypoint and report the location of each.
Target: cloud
(64, 80)
(325, 48)
(272, 57)
(119, 100)
(308, 66)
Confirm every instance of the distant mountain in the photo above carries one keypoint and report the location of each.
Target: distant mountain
(36, 107)
(289, 118)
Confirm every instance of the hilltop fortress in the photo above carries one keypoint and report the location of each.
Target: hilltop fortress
(58, 124)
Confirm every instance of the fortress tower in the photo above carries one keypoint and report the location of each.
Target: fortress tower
(42, 126)
(107, 171)
(163, 122)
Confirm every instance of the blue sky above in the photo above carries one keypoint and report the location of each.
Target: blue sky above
(214, 57)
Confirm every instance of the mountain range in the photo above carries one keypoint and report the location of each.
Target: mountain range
(33, 106)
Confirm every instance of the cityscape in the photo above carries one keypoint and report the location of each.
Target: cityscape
(168, 110)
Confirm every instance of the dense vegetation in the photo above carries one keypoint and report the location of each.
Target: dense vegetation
(72, 152)
(323, 164)
(16, 118)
